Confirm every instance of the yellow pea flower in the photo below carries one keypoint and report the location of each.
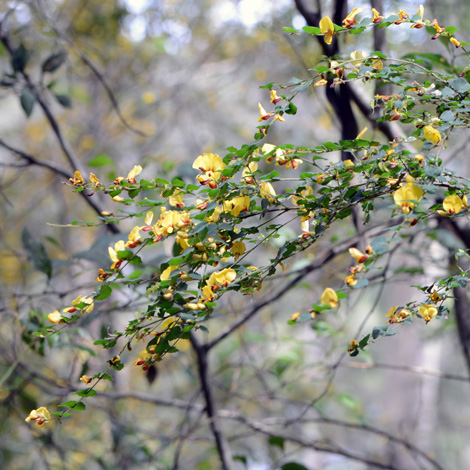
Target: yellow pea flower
(237, 205)
(406, 195)
(455, 42)
(327, 28)
(264, 115)
(85, 379)
(329, 298)
(77, 179)
(238, 248)
(93, 179)
(119, 246)
(165, 275)
(248, 171)
(308, 191)
(432, 135)
(134, 237)
(452, 204)
(55, 317)
(176, 199)
(267, 192)
(357, 255)
(133, 173)
(358, 57)
(274, 98)
(428, 312)
(39, 416)
(221, 279)
(351, 18)
(211, 165)
(377, 18)
(144, 356)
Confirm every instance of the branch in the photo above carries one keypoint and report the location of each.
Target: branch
(412, 369)
(318, 263)
(221, 444)
(95, 71)
(58, 171)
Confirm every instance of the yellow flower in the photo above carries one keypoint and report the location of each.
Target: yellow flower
(278, 117)
(406, 195)
(77, 179)
(134, 237)
(248, 171)
(221, 279)
(329, 298)
(119, 246)
(419, 24)
(237, 205)
(118, 198)
(267, 192)
(133, 173)
(85, 379)
(238, 248)
(176, 199)
(357, 255)
(39, 416)
(427, 311)
(295, 316)
(215, 215)
(55, 317)
(169, 222)
(377, 18)
(144, 356)
(102, 275)
(165, 275)
(308, 191)
(274, 98)
(327, 28)
(358, 57)
(455, 42)
(397, 317)
(264, 115)
(348, 163)
(94, 180)
(211, 165)
(321, 82)
(350, 280)
(85, 299)
(432, 135)
(435, 297)
(362, 133)
(453, 204)
(350, 19)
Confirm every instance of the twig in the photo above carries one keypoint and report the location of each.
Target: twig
(221, 444)
(31, 160)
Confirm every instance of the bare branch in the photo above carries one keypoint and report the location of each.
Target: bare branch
(221, 444)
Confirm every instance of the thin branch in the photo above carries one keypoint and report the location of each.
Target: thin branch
(31, 160)
(221, 444)
(95, 71)
(411, 369)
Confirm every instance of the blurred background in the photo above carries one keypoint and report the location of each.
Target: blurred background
(157, 83)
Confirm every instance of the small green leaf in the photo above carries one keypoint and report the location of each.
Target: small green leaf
(54, 61)
(104, 293)
(37, 253)
(293, 466)
(276, 441)
(101, 160)
(64, 100)
(19, 59)
(27, 100)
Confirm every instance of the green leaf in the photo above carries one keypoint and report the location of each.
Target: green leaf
(19, 59)
(37, 253)
(104, 293)
(460, 85)
(293, 466)
(447, 116)
(379, 331)
(312, 30)
(27, 100)
(68, 404)
(100, 160)
(86, 393)
(276, 441)
(64, 100)
(451, 29)
(54, 61)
